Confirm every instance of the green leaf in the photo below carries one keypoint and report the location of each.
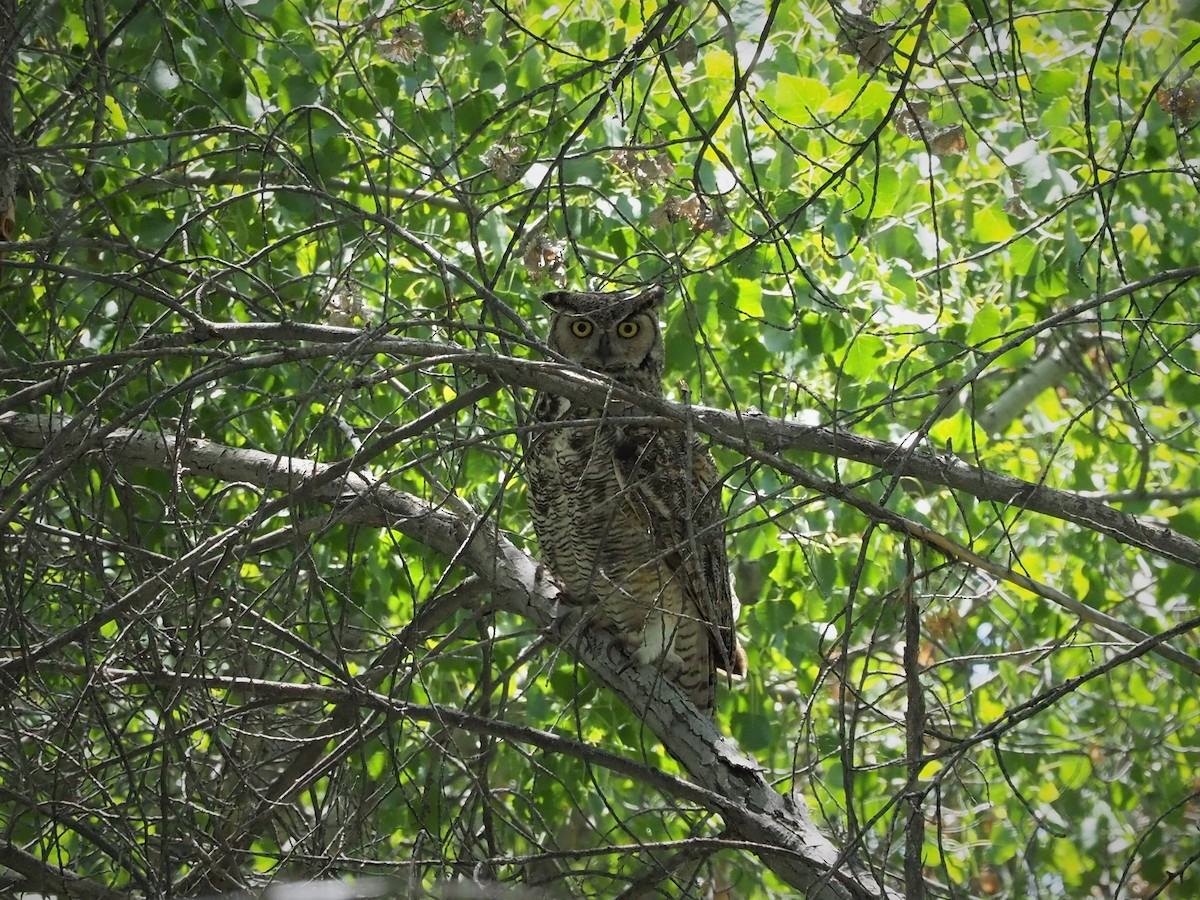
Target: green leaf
(864, 356)
(588, 34)
(985, 326)
(797, 99)
(749, 297)
(992, 225)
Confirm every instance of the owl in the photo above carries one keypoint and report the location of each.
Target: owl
(629, 516)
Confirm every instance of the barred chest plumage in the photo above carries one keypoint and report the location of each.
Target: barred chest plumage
(576, 512)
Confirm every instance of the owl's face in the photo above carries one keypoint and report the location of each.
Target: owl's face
(610, 333)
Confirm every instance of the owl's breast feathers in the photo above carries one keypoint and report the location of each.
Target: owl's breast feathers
(630, 518)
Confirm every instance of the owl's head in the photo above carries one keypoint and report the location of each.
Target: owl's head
(616, 334)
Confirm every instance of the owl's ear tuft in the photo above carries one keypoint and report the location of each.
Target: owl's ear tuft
(565, 301)
(650, 298)
(585, 302)
(554, 299)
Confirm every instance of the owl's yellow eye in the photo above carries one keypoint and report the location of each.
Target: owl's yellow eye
(581, 328)
(627, 329)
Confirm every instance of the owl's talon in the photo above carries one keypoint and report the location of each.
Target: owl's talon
(645, 655)
(648, 655)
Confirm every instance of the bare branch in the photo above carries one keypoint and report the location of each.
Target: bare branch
(738, 431)
(729, 782)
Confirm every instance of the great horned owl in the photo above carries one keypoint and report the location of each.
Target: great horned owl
(630, 516)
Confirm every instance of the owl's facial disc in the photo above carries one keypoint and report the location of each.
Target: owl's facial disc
(619, 342)
(602, 356)
(615, 349)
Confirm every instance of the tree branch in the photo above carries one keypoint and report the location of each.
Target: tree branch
(42, 877)
(742, 432)
(728, 781)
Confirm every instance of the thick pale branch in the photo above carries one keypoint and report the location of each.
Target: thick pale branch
(748, 434)
(743, 432)
(731, 783)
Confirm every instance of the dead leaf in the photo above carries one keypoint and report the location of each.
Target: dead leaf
(1016, 207)
(643, 168)
(1181, 102)
(943, 625)
(942, 140)
(868, 42)
(404, 46)
(502, 159)
(948, 141)
(697, 212)
(545, 259)
(346, 308)
(911, 120)
(467, 20)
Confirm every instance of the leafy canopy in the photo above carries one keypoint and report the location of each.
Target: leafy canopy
(953, 227)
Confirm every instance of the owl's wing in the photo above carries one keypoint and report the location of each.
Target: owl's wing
(716, 599)
(674, 490)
